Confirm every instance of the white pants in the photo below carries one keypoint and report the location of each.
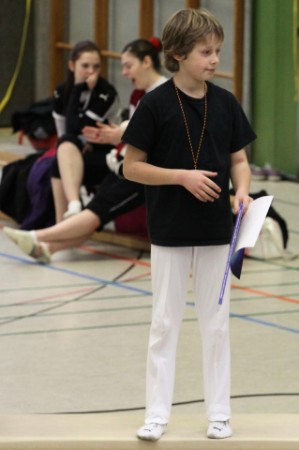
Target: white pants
(170, 276)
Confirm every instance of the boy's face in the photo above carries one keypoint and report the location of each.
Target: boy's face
(201, 63)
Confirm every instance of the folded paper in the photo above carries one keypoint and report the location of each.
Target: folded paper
(246, 232)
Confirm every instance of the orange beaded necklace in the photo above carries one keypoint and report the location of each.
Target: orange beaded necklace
(195, 155)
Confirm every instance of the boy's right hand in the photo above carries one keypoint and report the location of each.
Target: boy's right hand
(199, 183)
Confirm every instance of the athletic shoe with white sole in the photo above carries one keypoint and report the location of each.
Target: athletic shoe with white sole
(219, 430)
(26, 242)
(151, 431)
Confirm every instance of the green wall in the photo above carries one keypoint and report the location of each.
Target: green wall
(274, 106)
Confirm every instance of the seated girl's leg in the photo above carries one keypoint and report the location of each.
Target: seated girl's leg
(71, 170)
(41, 244)
(60, 201)
(77, 227)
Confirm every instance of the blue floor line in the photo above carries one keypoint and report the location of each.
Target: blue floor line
(141, 291)
(77, 274)
(263, 322)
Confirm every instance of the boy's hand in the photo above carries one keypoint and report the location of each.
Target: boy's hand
(199, 183)
(239, 198)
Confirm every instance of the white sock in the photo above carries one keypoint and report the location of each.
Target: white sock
(74, 205)
(33, 236)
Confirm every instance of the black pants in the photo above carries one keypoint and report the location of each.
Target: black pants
(116, 196)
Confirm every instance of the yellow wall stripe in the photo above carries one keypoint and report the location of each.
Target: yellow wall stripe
(12, 83)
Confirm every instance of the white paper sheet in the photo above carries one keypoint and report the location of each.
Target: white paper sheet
(246, 232)
(252, 222)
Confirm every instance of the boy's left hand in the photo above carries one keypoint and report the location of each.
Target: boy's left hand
(241, 198)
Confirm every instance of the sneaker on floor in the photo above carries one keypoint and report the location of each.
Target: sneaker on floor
(73, 208)
(219, 430)
(258, 173)
(151, 431)
(26, 242)
(14, 234)
(271, 173)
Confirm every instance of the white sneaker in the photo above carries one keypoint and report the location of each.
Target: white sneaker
(219, 430)
(151, 431)
(73, 208)
(26, 242)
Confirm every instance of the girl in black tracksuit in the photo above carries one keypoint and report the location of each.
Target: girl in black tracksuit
(82, 100)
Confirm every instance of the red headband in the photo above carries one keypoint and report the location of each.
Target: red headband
(156, 43)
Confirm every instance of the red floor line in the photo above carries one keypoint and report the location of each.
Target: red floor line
(138, 277)
(138, 262)
(266, 294)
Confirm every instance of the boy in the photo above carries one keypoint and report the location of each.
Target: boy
(185, 142)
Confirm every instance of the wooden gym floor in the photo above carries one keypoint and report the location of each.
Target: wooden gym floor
(73, 338)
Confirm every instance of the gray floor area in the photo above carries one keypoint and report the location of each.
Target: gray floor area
(73, 334)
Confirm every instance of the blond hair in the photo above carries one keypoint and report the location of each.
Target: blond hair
(183, 30)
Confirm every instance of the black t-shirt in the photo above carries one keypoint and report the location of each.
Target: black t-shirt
(175, 216)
